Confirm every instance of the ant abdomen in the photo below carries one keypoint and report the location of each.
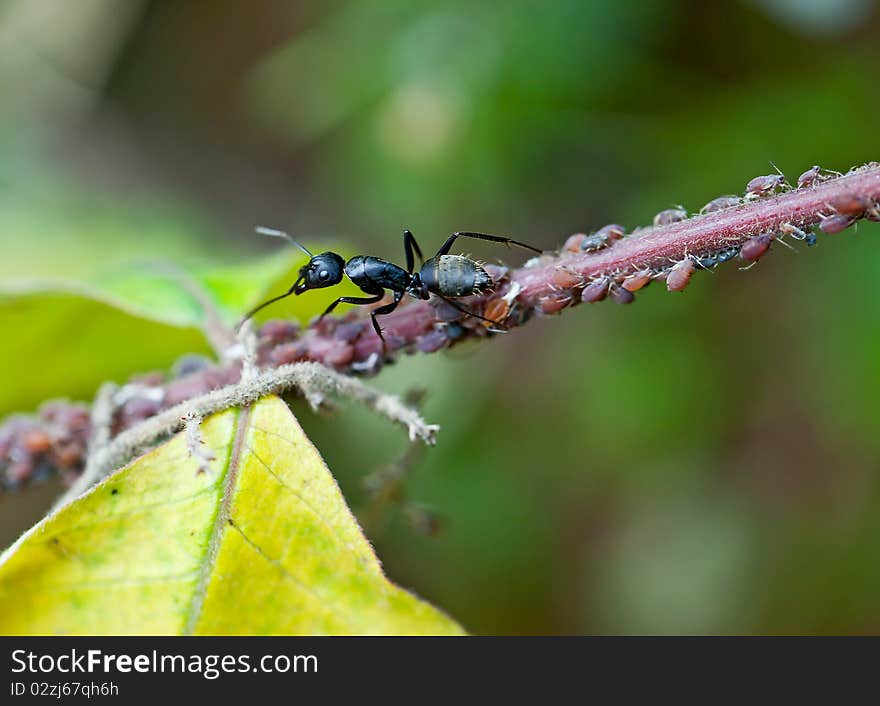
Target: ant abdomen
(455, 276)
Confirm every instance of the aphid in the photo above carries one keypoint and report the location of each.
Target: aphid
(431, 341)
(565, 278)
(809, 177)
(721, 203)
(191, 363)
(754, 248)
(815, 175)
(445, 312)
(850, 205)
(68, 456)
(636, 281)
(807, 236)
(348, 331)
(496, 310)
(18, 472)
(614, 231)
(595, 292)
(708, 261)
(337, 356)
(763, 185)
(873, 212)
(446, 276)
(670, 215)
(603, 237)
(573, 242)
(37, 441)
(792, 230)
(136, 410)
(277, 330)
(553, 304)
(594, 242)
(288, 353)
(726, 255)
(680, 275)
(622, 296)
(42, 470)
(836, 224)
(454, 331)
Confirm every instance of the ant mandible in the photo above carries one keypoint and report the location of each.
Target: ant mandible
(444, 275)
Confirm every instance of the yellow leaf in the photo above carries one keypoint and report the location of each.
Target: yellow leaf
(263, 543)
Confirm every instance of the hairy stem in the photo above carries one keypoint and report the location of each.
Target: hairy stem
(306, 377)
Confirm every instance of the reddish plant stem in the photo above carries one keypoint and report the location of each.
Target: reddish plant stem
(661, 246)
(57, 438)
(347, 344)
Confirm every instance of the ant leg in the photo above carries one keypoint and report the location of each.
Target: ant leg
(447, 246)
(465, 311)
(410, 244)
(382, 310)
(360, 301)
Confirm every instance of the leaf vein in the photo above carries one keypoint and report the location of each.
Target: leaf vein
(324, 603)
(334, 531)
(229, 476)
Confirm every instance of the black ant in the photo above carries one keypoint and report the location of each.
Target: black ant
(444, 275)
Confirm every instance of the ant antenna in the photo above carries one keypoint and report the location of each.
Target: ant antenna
(275, 234)
(261, 306)
(281, 234)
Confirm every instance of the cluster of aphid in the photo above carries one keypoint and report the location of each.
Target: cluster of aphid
(56, 438)
(841, 213)
(34, 447)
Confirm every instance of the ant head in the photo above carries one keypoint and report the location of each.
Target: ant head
(322, 270)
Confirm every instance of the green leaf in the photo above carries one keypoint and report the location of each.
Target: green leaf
(73, 336)
(65, 343)
(70, 337)
(173, 295)
(263, 543)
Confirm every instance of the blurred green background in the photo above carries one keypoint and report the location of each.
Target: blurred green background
(695, 463)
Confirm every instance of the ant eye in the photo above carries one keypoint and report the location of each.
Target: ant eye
(323, 275)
